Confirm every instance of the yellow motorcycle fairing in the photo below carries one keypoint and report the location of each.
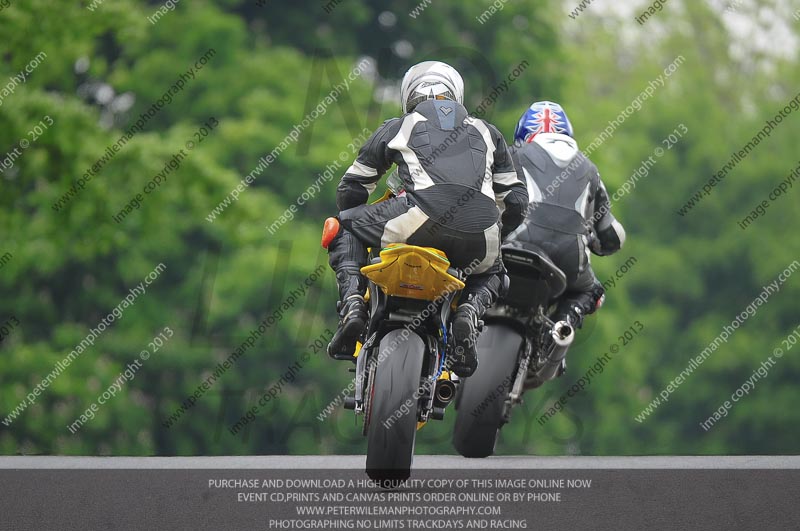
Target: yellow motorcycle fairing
(412, 272)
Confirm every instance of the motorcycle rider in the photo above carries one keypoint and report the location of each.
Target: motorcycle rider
(445, 159)
(569, 213)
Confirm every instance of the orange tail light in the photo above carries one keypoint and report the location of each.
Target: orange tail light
(329, 231)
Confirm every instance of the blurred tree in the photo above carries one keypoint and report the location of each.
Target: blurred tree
(272, 63)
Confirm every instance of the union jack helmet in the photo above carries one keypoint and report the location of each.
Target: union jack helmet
(542, 117)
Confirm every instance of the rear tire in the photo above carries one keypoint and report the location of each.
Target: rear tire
(390, 450)
(482, 395)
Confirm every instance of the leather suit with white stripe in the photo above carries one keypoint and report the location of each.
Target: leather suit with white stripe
(461, 191)
(569, 213)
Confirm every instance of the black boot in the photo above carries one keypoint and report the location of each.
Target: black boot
(478, 296)
(575, 306)
(465, 340)
(352, 323)
(571, 313)
(347, 254)
(353, 316)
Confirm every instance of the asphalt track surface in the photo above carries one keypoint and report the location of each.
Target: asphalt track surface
(421, 462)
(616, 493)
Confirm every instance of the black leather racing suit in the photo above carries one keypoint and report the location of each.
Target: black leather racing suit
(569, 214)
(459, 178)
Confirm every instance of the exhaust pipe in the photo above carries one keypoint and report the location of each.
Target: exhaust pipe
(444, 393)
(562, 336)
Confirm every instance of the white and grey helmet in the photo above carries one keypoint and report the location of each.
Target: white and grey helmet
(431, 80)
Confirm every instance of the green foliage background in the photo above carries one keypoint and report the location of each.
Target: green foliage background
(273, 64)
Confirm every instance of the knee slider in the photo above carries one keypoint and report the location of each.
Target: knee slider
(498, 284)
(505, 281)
(506, 285)
(329, 231)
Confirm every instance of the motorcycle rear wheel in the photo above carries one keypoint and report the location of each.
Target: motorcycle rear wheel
(482, 395)
(391, 434)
